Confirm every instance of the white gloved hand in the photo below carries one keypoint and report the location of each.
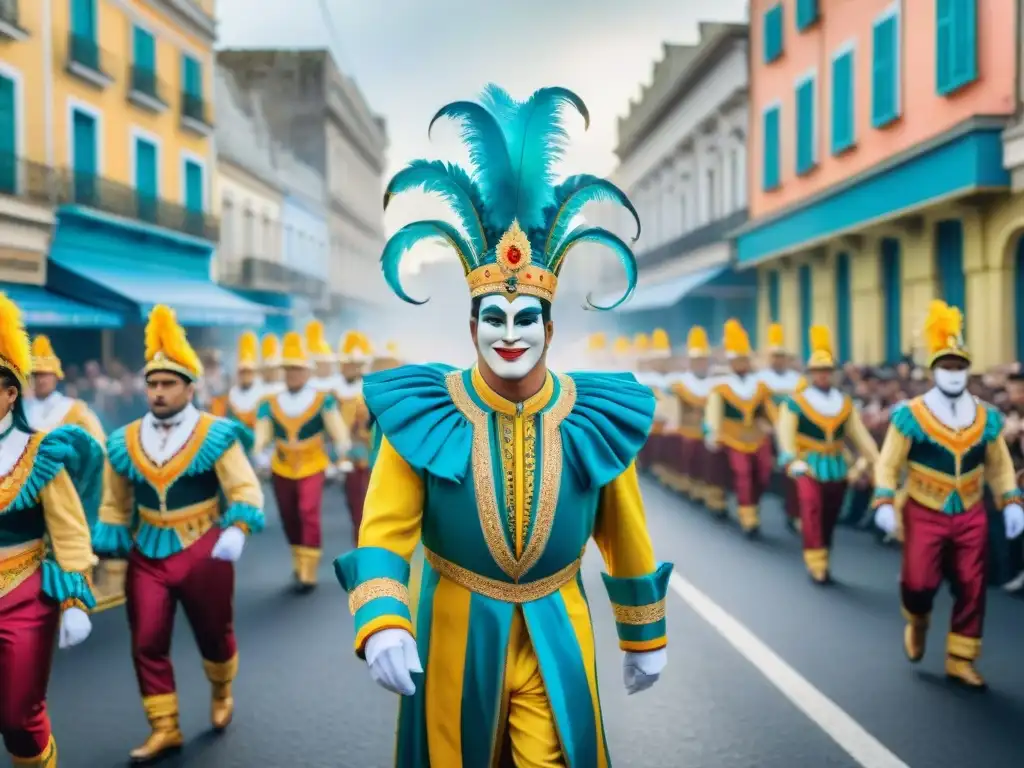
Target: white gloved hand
(345, 466)
(229, 545)
(1013, 519)
(392, 657)
(798, 468)
(885, 518)
(710, 444)
(641, 670)
(262, 461)
(75, 627)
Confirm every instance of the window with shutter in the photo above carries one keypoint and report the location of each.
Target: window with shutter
(807, 13)
(956, 44)
(842, 102)
(773, 33)
(770, 172)
(885, 75)
(805, 124)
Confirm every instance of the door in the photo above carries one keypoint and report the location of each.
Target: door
(949, 262)
(143, 62)
(892, 298)
(146, 179)
(844, 302)
(806, 310)
(8, 136)
(194, 220)
(84, 160)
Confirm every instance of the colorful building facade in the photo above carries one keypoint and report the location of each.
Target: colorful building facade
(876, 177)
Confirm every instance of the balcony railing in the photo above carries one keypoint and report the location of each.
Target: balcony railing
(28, 181)
(259, 273)
(10, 20)
(195, 113)
(147, 89)
(87, 60)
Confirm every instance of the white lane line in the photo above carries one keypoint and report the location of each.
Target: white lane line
(825, 713)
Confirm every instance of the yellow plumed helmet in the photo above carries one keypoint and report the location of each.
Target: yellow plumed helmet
(776, 338)
(248, 351)
(641, 342)
(697, 344)
(355, 347)
(44, 359)
(167, 347)
(735, 339)
(622, 346)
(944, 333)
(392, 348)
(597, 342)
(15, 352)
(293, 351)
(822, 356)
(660, 342)
(388, 360)
(316, 342)
(270, 351)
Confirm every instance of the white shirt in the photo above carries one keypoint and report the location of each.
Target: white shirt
(245, 400)
(346, 390)
(745, 388)
(296, 403)
(955, 412)
(12, 446)
(325, 383)
(162, 438)
(49, 412)
(697, 386)
(828, 403)
(780, 383)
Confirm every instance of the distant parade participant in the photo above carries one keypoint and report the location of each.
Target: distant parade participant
(325, 376)
(43, 597)
(666, 412)
(950, 444)
(354, 352)
(782, 380)
(180, 499)
(243, 398)
(386, 361)
(813, 427)
(735, 407)
(271, 373)
(298, 428)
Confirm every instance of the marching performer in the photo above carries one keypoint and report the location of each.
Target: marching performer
(666, 410)
(812, 427)
(271, 373)
(325, 376)
(354, 351)
(736, 405)
(782, 381)
(179, 500)
(299, 426)
(498, 469)
(950, 445)
(243, 399)
(42, 598)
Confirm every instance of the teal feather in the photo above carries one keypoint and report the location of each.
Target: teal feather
(603, 237)
(408, 236)
(454, 186)
(572, 196)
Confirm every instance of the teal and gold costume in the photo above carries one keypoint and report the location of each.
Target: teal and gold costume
(505, 496)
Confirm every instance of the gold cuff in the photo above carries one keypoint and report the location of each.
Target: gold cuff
(160, 706)
(221, 671)
(48, 757)
(963, 647)
(638, 615)
(73, 602)
(918, 620)
(371, 589)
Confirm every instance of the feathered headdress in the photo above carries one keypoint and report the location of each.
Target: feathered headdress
(388, 360)
(354, 348)
(822, 356)
(641, 344)
(697, 344)
(735, 340)
(622, 346)
(15, 351)
(776, 338)
(316, 342)
(597, 342)
(248, 352)
(944, 333)
(167, 348)
(270, 351)
(293, 351)
(44, 359)
(516, 224)
(660, 344)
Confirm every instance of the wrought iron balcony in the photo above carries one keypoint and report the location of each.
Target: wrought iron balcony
(32, 182)
(10, 21)
(146, 90)
(195, 114)
(259, 273)
(88, 61)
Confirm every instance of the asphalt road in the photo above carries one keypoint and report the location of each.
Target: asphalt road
(304, 700)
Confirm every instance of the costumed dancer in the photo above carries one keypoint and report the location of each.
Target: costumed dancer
(325, 376)
(271, 372)
(782, 381)
(813, 426)
(300, 427)
(179, 500)
(43, 597)
(498, 469)
(666, 411)
(735, 408)
(597, 351)
(242, 400)
(950, 445)
(354, 352)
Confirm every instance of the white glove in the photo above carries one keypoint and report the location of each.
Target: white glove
(345, 466)
(641, 670)
(885, 518)
(229, 545)
(711, 444)
(392, 657)
(798, 468)
(262, 461)
(75, 627)
(1013, 519)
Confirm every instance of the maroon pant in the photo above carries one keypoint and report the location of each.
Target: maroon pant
(300, 502)
(819, 505)
(153, 588)
(356, 483)
(681, 455)
(28, 629)
(747, 477)
(955, 547)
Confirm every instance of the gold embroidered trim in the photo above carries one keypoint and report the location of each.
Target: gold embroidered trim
(190, 523)
(292, 425)
(827, 424)
(638, 615)
(161, 477)
(371, 589)
(507, 430)
(502, 590)
(11, 483)
(17, 567)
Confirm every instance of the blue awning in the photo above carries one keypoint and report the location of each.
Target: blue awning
(41, 308)
(667, 293)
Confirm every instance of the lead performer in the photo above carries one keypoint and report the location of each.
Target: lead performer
(505, 470)
(950, 445)
(180, 499)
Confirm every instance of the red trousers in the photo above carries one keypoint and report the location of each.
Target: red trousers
(28, 629)
(153, 588)
(747, 476)
(300, 503)
(710, 467)
(356, 483)
(819, 505)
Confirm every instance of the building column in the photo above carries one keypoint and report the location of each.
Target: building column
(919, 277)
(823, 280)
(866, 288)
(789, 303)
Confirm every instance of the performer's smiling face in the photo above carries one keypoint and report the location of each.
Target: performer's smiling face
(511, 336)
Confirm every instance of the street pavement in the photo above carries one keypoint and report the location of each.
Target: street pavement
(304, 700)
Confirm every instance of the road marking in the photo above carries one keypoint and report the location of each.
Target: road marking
(825, 713)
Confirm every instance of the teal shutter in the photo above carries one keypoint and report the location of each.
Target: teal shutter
(83, 18)
(949, 258)
(770, 173)
(893, 299)
(193, 186)
(773, 296)
(806, 309)
(84, 143)
(773, 33)
(143, 49)
(191, 76)
(146, 179)
(842, 102)
(884, 72)
(805, 126)
(844, 304)
(806, 13)
(8, 136)
(956, 44)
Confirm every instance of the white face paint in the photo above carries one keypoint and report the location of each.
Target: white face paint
(950, 383)
(510, 336)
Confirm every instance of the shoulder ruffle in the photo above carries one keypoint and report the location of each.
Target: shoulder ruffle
(66, 447)
(117, 453)
(221, 435)
(607, 426)
(905, 422)
(413, 409)
(994, 423)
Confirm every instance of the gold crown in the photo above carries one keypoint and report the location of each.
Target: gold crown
(317, 344)
(293, 351)
(270, 351)
(735, 340)
(167, 347)
(697, 344)
(44, 359)
(513, 273)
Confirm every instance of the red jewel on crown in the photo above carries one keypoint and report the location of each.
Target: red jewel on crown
(529, 276)
(513, 255)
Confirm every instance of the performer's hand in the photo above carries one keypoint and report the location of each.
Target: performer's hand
(229, 545)
(262, 461)
(711, 444)
(798, 468)
(345, 466)
(392, 657)
(641, 670)
(1013, 519)
(75, 627)
(885, 518)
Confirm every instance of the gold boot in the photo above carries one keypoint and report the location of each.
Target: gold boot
(45, 759)
(750, 520)
(162, 713)
(816, 561)
(222, 703)
(715, 500)
(915, 635)
(961, 653)
(307, 563)
(698, 491)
